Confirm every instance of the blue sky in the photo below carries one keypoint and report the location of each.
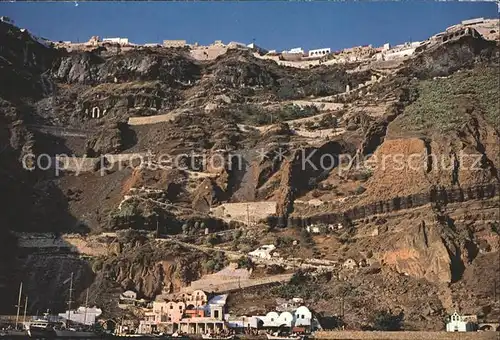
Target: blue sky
(273, 24)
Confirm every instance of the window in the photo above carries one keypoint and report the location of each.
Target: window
(302, 316)
(171, 307)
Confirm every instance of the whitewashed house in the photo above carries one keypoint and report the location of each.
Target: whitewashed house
(120, 41)
(296, 50)
(350, 264)
(277, 320)
(319, 52)
(128, 295)
(263, 252)
(458, 323)
(303, 317)
(315, 229)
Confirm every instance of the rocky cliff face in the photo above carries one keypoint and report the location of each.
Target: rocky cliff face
(97, 68)
(147, 268)
(410, 218)
(450, 57)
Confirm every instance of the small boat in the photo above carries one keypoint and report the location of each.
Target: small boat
(13, 333)
(284, 337)
(140, 336)
(176, 336)
(75, 334)
(41, 328)
(217, 337)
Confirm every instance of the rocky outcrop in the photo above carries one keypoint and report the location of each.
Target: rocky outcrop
(420, 252)
(240, 70)
(238, 73)
(436, 196)
(110, 139)
(447, 58)
(24, 61)
(206, 195)
(93, 68)
(150, 268)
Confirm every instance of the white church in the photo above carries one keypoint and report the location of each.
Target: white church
(458, 323)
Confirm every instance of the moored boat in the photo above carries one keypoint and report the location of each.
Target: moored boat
(13, 333)
(217, 337)
(176, 336)
(41, 328)
(284, 337)
(76, 334)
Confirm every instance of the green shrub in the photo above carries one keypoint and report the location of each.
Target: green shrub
(209, 266)
(283, 241)
(301, 285)
(385, 321)
(442, 103)
(329, 121)
(359, 190)
(212, 240)
(237, 234)
(245, 262)
(257, 115)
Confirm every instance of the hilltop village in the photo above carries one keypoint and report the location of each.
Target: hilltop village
(232, 189)
(386, 55)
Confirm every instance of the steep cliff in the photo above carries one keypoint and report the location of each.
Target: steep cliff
(385, 162)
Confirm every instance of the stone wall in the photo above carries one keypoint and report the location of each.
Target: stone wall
(87, 245)
(208, 53)
(88, 164)
(174, 43)
(354, 335)
(76, 164)
(322, 133)
(236, 284)
(59, 131)
(321, 106)
(288, 63)
(69, 242)
(241, 211)
(127, 157)
(151, 119)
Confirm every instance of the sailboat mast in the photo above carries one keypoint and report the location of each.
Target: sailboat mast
(70, 296)
(86, 305)
(19, 303)
(25, 309)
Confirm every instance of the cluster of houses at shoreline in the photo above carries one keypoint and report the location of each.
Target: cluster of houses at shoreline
(199, 313)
